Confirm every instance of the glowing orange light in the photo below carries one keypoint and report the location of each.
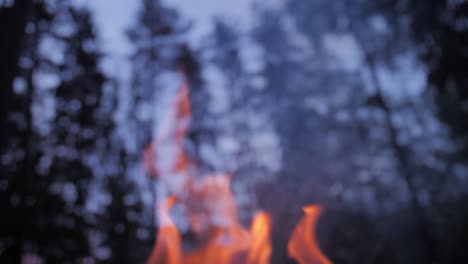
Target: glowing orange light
(167, 249)
(260, 248)
(223, 240)
(211, 207)
(171, 133)
(303, 245)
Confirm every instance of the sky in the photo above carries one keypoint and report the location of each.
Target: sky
(114, 17)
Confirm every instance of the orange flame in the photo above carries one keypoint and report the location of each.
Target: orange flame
(224, 241)
(303, 245)
(171, 134)
(210, 205)
(168, 245)
(237, 245)
(260, 249)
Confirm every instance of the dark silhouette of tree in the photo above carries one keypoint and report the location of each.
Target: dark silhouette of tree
(19, 169)
(47, 158)
(124, 222)
(445, 39)
(442, 40)
(12, 23)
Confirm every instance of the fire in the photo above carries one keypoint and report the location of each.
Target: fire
(170, 135)
(260, 249)
(214, 219)
(168, 244)
(303, 245)
(209, 203)
(210, 207)
(236, 245)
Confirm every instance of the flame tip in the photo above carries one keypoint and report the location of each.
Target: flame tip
(312, 209)
(303, 245)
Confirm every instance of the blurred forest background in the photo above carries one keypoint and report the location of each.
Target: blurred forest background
(361, 106)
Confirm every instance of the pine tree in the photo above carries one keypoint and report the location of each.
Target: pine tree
(54, 121)
(13, 17)
(127, 233)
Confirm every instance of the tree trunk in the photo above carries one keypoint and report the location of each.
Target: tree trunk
(12, 24)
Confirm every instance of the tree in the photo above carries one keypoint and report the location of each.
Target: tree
(244, 141)
(159, 52)
(155, 37)
(54, 122)
(12, 24)
(124, 222)
(442, 41)
(339, 77)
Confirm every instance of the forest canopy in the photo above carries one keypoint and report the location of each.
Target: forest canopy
(358, 106)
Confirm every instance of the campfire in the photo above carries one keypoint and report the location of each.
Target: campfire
(210, 207)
